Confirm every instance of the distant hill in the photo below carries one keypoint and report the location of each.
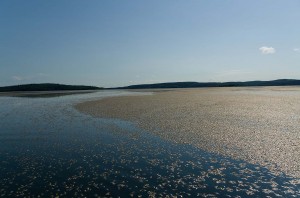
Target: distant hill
(46, 87)
(280, 82)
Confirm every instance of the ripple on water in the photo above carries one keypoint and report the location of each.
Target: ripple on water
(57, 151)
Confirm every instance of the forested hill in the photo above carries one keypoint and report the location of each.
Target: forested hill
(280, 82)
(46, 87)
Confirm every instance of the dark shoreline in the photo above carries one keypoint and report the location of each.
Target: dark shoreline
(279, 82)
(47, 87)
(44, 93)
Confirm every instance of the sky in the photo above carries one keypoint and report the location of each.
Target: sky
(117, 43)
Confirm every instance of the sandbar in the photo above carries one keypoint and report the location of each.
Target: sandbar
(256, 124)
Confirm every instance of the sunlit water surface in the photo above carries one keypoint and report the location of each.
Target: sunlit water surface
(49, 149)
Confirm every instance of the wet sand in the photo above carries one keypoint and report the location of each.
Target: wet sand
(259, 125)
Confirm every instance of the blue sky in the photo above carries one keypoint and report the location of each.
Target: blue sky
(115, 43)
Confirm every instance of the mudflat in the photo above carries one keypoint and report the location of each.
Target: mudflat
(258, 124)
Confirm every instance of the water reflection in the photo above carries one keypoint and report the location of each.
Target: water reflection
(49, 149)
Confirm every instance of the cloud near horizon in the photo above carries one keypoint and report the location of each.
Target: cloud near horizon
(18, 78)
(267, 50)
(38, 76)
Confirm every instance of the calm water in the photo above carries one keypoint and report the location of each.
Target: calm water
(47, 149)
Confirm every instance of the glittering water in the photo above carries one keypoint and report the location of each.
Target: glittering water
(47, 149)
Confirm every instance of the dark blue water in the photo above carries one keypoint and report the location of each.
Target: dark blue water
(48, 149)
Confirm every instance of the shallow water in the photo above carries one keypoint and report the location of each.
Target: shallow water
(47, 148)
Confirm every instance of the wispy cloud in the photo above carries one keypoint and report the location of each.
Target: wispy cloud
(296, 49)
(41, 74)
(267, 50)
(34, 77)
(234, 72)
(17, 78)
